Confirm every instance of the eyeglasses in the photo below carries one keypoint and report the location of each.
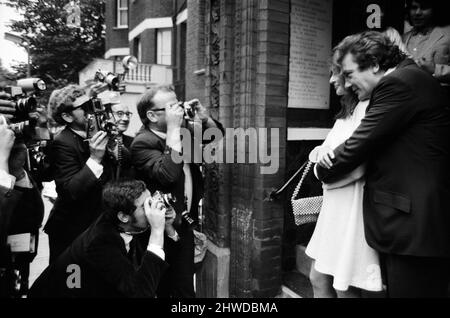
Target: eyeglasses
(123, 114)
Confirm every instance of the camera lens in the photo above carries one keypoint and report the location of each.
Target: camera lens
(112, 80)
(24, 106)
(189, 112)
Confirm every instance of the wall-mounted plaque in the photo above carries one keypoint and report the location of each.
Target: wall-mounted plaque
(310, 50)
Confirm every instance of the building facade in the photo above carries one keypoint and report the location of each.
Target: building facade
(256, 64)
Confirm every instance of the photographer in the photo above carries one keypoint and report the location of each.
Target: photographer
(120, 145)
(106, 260)
(163, 117)
(79, 167)
(21, 212)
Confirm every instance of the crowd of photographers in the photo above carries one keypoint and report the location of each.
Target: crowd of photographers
(123, 221)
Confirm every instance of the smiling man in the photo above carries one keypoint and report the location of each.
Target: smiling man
(403, 139)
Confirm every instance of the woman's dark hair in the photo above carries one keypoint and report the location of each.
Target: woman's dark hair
(350, 99)
(348, 104)
(120, 196)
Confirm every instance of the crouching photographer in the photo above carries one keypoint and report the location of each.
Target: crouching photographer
(107, 260)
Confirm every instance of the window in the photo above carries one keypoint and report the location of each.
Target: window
(164, 47)
(122, 13)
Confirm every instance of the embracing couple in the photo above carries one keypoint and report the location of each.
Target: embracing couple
(385, 166)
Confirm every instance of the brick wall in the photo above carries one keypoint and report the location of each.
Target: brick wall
(195, 53)
(144, 9)
(115, 37)
(148, 40)
(252, 75)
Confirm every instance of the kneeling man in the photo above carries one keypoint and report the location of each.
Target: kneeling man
(105, 260)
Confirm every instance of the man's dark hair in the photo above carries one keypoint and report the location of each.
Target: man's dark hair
(120, 196)
(440, 15)
(61, 101)
(371, 48)
(146, 102)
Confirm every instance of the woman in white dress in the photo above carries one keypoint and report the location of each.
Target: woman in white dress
(343, 263)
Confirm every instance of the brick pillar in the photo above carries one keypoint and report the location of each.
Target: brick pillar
(261, 77)
(247, 46)
(211, 46)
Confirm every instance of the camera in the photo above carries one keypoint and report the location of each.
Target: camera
(113, 80)
(100, 118)
(189, 109)
(25, 127)
(19, 94)
(166, 198)
(109, 78)
(169, 202)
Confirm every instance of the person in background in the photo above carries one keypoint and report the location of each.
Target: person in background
(429, 41)
(120, 146)
(19, 217)
(343, 262)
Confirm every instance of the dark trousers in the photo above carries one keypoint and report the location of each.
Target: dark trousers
(415, 277)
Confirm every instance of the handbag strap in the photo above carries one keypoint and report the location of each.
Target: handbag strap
(275, 193)
(299, 185)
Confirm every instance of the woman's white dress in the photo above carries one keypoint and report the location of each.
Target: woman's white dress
(338, 244)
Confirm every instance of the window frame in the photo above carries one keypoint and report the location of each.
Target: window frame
(160, 54)
(119, 10)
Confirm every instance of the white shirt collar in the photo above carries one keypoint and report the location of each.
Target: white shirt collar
(389, 71)
(127, 239)
(80, 133)
(159, 134)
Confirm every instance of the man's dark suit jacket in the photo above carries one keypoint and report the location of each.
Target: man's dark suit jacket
(79, 191)
(125, 171)
(154, 165)
(405, 140)
(105, 267)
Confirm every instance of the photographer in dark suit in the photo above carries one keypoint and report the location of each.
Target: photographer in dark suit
(79, 170)
(106, 260)
(153, 152)
(404, 141)
(21, 212)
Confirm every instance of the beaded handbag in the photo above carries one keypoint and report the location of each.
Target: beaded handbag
(306, 210)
